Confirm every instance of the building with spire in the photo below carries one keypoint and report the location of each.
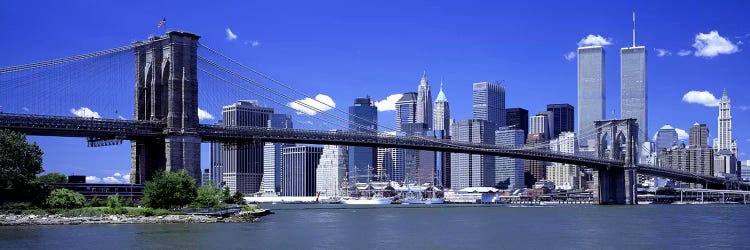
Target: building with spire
(441, 127)
(725, 125)
(633, 94)
(442, 113)
(424, 103)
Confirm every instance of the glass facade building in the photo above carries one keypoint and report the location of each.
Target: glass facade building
(563, 118)
(243, 162)
(363, 117)
(633, 85)
(518, 118)
(298, 173)
(509, 171)
(488, 103)
(591, 92)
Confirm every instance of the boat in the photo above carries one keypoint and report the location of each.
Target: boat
(366, 201)
(425, 201)
(425, 194)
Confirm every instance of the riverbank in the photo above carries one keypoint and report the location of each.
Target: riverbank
(58, 219)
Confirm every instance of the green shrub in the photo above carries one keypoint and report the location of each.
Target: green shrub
(64, 198)
(250, 208)
(52, 178)
(169, 190)
(208, 197)
(113, 201)
(238, 198)
(96, 202)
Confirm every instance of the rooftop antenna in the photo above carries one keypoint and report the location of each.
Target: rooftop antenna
(634, 28)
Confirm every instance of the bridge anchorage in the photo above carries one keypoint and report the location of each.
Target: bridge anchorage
(617, 140)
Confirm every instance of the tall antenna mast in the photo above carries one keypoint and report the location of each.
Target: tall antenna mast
(634, 28)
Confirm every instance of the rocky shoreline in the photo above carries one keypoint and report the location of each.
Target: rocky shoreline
(54, 219)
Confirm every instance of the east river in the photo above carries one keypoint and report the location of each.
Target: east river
(420, 227)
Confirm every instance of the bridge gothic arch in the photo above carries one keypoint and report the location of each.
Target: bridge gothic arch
(617, 184)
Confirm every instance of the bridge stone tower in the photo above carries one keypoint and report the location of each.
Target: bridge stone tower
(617, 140)
(166, 90)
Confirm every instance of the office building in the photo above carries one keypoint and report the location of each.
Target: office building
(406, 109)
(517, 118)
(565, 176)
(217, 167)
(698, 160)
(419, 165)
(442, 113)
(725, 164)
(206, 177)
(563, 118)
(591, 93)
(509, 171)
(272, 155)
(243, 162)
(442, 162)
(725, 125)
(698, 136)
(298, 172)
(535, 170)
(540, 125)
(363, 117)
(666, 137)
(332, 170)
(468, 170)
(390, 164)
(633, 86)
(745, 170)
(488, 103)
(424, 103)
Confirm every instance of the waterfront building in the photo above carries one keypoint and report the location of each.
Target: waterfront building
(272, 155)
(540, 125)
(509, 171)
(699, 160)
(488, 103)
(419, 165)
(563, 118)
(298, 172)
(725, 125)
(666, 137)
(633, 86)
(332, 170)
(363, 118)
(468, 170)
(243, 162)
(725, 164)
(424, 103)
(517, 118)
(745, 170)
(591, 92)
(390, 164)
(565, 176)
(535, 170)
(442, 113)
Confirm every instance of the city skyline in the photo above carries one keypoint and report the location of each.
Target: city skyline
(457, 81)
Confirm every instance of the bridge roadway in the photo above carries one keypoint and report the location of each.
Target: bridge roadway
(66, 126)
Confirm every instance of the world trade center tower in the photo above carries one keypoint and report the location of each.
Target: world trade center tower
(591, 93)
(633, 97)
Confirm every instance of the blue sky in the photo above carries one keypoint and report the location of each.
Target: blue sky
(345, 50)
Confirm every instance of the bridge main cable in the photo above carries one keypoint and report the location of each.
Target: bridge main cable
(53, 62)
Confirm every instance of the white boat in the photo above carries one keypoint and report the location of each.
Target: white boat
(425, 201)
(366, 201)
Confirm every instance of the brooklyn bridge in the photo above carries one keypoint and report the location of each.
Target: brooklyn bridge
(166, 132)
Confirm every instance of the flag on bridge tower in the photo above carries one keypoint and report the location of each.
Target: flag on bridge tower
(162, 22)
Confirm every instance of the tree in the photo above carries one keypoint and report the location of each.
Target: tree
(113, 201)
(20, 162)
(238, 198)
(65, 198)
(208, 197)
(52, 178)
(169, 190)
(96, 202)
(226, 196)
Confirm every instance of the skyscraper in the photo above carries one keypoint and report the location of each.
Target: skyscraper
(424, 103)
(540, 125)
(217, 167)
(206, 177)
(243, 162)
(518, 118)
(509, 171)
(363, 117)
(331, 170)
(272, 155)
(563, 118)
(488, 103)
(468, 170)
(406, 109)
(698, 136)
(591, 92)
(666, 137)
(298, 173)
(725, 125)
(535, 170)
(633, 86)
(442, 112)
(565, 176)
(390, 164)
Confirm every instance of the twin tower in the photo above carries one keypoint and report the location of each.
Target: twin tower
(166, 90)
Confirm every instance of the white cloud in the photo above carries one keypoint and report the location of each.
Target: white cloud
(740, 43)
(230, 35)
(110, 179)
(741, 107)
(663, 52)
(712, 44)
(308, 122)
(117, 175)
(311, 106)
(121, 118)
(594, 40)
(570, 56)
(701, 97)
(254, 43)
(85, 112)
(25, 109)
(681, 134)
(126, 178)
(684, 52)
(93, 179)
(204, 115)
(389, 103)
